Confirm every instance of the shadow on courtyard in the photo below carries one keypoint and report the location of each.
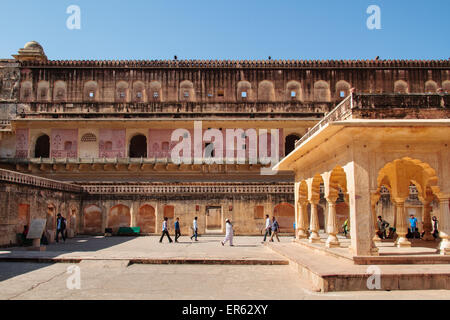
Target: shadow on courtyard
(13, 264)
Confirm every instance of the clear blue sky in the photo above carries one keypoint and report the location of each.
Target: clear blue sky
(228, 29)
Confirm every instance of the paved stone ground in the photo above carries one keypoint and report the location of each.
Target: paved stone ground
(116, 279)
(149, 247)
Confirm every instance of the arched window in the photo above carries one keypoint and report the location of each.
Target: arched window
(446, 86)
(187, 92)
(138, 147)
(42, 147)
(139, 91)
(90, 91)
(401, 86)
(26, 91)
(59, 91)
(431, 86)
(342, 89)
(294, 91)
(266, 91)
(42, 91)
(122, 91)
(321, 91)
(155, 92)
(89, 137)
(244, 91)
(289, 145)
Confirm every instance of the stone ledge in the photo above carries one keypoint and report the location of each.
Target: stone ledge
(328, 274)
(149, 260)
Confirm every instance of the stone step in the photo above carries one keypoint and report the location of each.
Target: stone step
(327, 273)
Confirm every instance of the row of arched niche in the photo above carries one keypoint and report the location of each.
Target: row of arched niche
(138, 91)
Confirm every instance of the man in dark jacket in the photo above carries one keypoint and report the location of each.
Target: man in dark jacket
(60, 227)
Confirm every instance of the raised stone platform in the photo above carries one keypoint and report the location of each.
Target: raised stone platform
(328, 271)
(421, 252)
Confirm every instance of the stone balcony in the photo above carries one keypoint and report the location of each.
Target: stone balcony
(385, 107)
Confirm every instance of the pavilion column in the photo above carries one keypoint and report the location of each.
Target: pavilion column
(314, 226)
(302, 228)
(444, 225)
(426, 218)
(402, 228)
(358, 188)
(373, 204)
(332, 227)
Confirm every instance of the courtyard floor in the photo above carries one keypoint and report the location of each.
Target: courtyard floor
(106, 272)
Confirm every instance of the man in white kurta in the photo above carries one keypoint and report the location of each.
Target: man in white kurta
(229, 233)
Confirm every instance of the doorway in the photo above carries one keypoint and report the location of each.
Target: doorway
(214, 219)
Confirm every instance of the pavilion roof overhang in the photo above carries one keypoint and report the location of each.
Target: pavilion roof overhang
(377, 130)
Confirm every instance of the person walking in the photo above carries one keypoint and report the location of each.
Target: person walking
(177, 229)
(267, 229)
(382, 227)
(229, 233)
(195, 228)
(345, 228)
(435, 223)
(165, 231)
(60, 227)
(275, 229)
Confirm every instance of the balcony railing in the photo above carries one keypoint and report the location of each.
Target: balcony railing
(341, 112)
(190, 189)
(156, 188)
(20, 178)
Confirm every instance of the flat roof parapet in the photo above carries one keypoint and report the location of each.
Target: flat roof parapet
(240, 63)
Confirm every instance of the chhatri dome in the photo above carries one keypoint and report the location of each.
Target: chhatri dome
(32, 51)
(34, 45)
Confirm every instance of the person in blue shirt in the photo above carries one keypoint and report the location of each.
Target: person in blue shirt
(177, 229)
(413, 223)
(60, 227)
(275, 229)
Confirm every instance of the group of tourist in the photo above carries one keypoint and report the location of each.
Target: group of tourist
(413, 231)
(165, 231)
(272, 229)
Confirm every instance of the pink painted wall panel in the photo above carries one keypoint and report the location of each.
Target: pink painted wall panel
(64, 143)
(112, 143)
(160, 145)
(22, 142)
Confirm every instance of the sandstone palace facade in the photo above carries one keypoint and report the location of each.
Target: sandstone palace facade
(93, 139)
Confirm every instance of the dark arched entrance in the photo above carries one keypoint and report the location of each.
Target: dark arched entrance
(42, 148)
(138, 147)
(289, 145)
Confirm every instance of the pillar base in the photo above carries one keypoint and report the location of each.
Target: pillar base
(374, 252)
(428, 237)
(376, 238)
(444, 247)
(302, 234)
(332, 242)
(403, 243)
(314, 238)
